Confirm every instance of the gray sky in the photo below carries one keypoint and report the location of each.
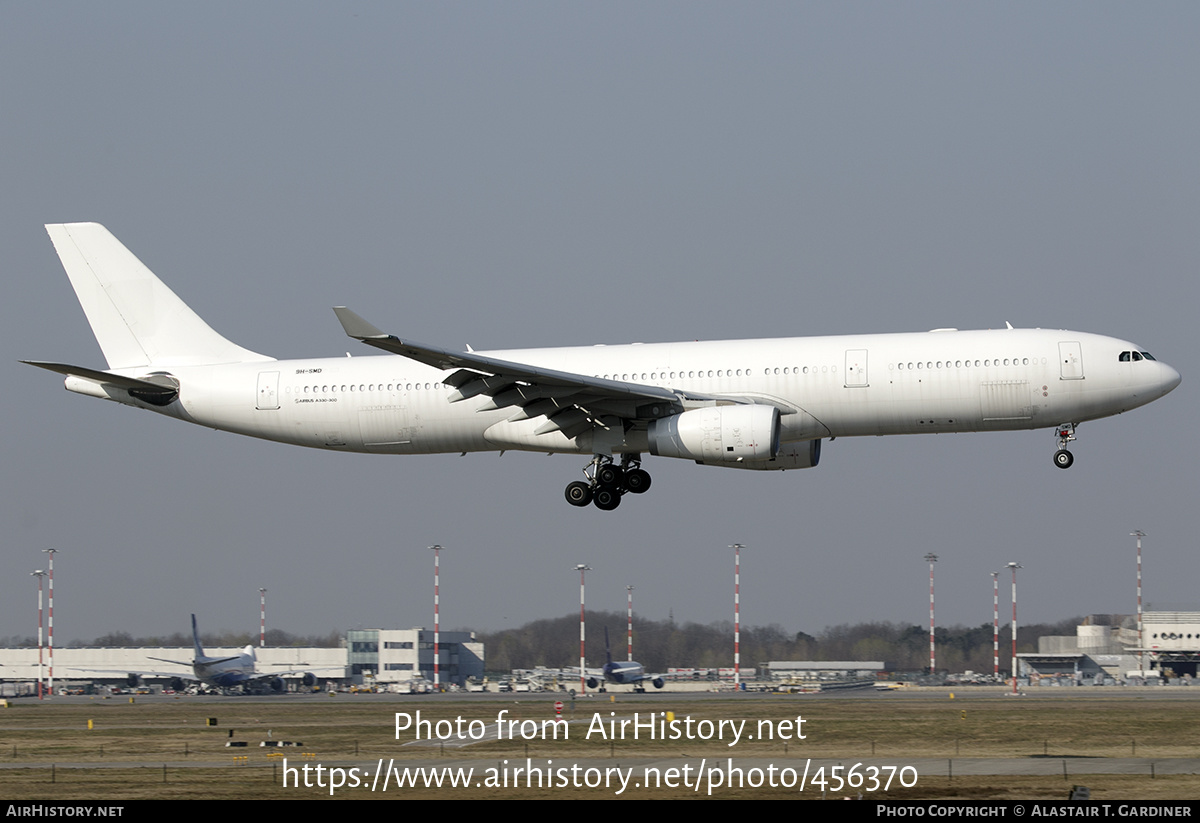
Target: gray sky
(540, 174)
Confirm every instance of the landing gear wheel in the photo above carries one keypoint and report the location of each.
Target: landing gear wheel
(1063, 459)
(637, 481)
(606, 499)
(579, 493)
(610, 476)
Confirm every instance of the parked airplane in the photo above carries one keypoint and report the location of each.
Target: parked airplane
(748, 404)
(236, 671)
(625, 673)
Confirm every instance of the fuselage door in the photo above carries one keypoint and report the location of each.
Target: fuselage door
(268, 390)
(1070, 361)
(856, 368)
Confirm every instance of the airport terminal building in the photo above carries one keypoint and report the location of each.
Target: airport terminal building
(390, 658)
(1107, 649)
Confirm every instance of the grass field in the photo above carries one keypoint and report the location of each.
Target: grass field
(165, 749)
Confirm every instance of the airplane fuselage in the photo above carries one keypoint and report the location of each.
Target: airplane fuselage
(226, 673)
(844, 386)
(628, 672)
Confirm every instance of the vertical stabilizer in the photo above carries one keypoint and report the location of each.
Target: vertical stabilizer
(137, 320)
(196, 647)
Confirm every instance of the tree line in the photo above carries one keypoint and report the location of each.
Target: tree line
(663, 644)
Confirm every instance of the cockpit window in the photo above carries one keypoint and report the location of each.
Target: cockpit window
(1137, 355)
(1147, 355)
(1124, 357)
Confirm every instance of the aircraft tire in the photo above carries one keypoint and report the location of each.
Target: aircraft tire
(610, 476)
(606, 499)
(579, 493)
(1063, 459)
(637, 481)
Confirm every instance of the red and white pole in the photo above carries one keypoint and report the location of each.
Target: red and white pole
(39, 574)
(262, 618)
(629, 621)
(437, 637)
(582, 569)
(737, 615)
(1139, 534)
(1014, 567)
(996, 625)
(50, 620)
(931, 558)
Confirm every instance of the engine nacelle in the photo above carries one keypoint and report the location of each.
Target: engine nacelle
(657, 682)
(721, 435)
(177, 684)
(277, 685)
(309, 679)
(133, 680)
(592, 682)
(791, 456)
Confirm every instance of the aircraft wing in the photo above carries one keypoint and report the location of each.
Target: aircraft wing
(568, 400)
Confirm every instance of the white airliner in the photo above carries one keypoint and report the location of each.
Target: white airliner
(225, 674)
(748, 404)
(624, 672)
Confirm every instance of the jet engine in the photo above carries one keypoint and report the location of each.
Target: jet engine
(658, 682)
(592, 682)
(132, 680)
(277, 685)
(177, 684)
(309, 679)
(718, 434)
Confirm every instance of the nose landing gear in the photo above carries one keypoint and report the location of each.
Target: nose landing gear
(1065, 434)
(608, 482)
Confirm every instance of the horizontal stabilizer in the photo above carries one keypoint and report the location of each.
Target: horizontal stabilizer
(130, 383)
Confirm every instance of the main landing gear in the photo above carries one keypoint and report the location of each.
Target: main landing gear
(1065, 434)
(607, 482)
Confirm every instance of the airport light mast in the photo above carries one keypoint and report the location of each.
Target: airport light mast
(437, 637)
(737, 614)
(931, 558)
(39, 574)
(583, 569)
(50, 619)
(1139, 534)
(996, 625)
(262, 618)
(1014, 567)
(629, 621)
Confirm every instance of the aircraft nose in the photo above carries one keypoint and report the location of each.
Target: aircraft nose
(1170, 378)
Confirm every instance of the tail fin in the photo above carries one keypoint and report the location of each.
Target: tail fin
(137, 320)
(197, 649)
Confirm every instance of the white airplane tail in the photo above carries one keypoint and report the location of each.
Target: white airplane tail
(137, 320)
(197, 649)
